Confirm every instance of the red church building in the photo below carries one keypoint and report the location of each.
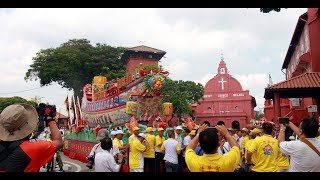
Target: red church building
(299, 95)
(225, 100)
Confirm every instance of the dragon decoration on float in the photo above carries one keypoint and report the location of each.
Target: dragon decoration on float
(126, 101)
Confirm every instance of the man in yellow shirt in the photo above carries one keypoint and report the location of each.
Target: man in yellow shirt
(266, 149)
(149, 155)
(245, 140)
(252, 136)
(159, 156)
(134, 135)
(138, 146)
(211, 161)
(118, 140)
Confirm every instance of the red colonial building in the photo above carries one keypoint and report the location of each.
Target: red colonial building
(225, 100)
(298, 96)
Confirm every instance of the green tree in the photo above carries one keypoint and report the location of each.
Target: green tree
(267, 10)
(258, 115)
(74, 64)
(181, 94)
(7, 101)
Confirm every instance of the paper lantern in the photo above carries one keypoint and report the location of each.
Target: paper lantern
(167, 108)
(131, 107)
(99, 80)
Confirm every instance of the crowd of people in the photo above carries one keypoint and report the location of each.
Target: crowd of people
(204, 149)
(214, 149)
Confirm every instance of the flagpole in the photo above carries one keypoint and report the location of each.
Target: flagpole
(75, 111)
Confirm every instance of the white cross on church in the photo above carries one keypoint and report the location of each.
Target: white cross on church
(222, 83)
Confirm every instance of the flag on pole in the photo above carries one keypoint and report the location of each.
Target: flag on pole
(76, 118)
(270, 80)
(66, 102)
(82, 122)
(71, 109)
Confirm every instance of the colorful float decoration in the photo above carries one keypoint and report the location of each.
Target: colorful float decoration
(189, 123)
(131, 107)
(113, 103)
(133, 123)
(167, 109)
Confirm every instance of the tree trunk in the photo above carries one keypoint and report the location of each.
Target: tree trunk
(78, 93)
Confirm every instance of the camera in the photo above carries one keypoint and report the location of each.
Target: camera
(90, 162)
(44, 111)
(283, 120)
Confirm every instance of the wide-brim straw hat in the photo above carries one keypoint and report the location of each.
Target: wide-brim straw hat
(17, 121)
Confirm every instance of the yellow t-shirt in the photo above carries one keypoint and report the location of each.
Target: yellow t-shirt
(131, 138)
(267, 151)
(243, 144)
(159, 142)
(319, 136)
(213, 162)
(254, 156)
(283, 162)
(136, 154)
(117, 142)
(152, 142)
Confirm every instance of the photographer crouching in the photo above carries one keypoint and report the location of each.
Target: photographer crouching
(17, 152)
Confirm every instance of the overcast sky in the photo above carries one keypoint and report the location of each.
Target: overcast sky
(254, 44)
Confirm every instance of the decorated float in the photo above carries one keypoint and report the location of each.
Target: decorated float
(122, 103)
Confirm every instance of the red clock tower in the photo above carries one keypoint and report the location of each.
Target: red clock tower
(141, 54)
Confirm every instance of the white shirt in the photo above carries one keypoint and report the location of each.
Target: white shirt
(170, 154)
(104, 162)
(240, 142)
(186, 141)
(97, 148)
(226, 147)
(302, 157)
(179, 139)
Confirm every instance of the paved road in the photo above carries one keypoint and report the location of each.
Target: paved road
(71, 165)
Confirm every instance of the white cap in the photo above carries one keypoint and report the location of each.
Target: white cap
(142, 135)
(179, 127)
(119, 132)
(113, 133)
(244, 129)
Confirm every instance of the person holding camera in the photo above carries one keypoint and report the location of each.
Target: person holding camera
(211, 161)
(102, 133)
(104, 160)
(138, 146)
(17, 152)
(304, 153)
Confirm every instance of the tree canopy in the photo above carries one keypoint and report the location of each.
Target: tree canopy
(267, 10)
(7, 101)
(258, 115)
(74, 64)
(182, 94)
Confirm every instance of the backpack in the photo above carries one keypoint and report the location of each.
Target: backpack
(7, 148)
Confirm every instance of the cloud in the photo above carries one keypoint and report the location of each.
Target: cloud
(255, 83)
(252, 42)
(179, 68)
